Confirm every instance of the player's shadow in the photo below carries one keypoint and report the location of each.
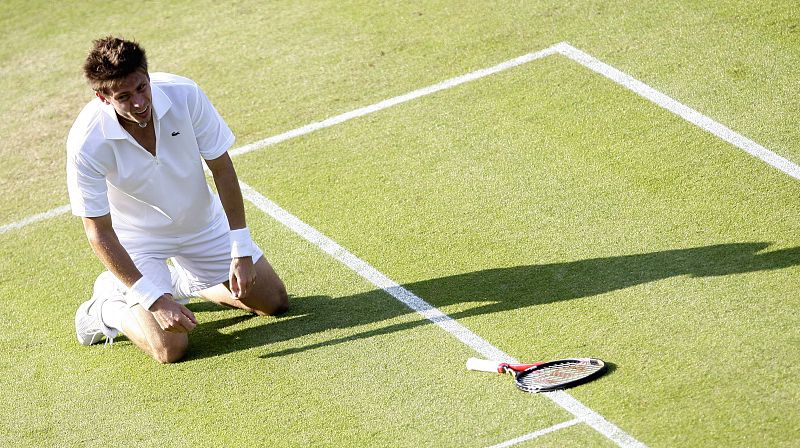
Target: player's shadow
(492, 290)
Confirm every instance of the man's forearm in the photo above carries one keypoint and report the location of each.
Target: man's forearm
(113, 255)
(116, 259)
(230, 194)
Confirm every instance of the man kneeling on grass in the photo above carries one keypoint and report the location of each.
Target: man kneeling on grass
(135, 176)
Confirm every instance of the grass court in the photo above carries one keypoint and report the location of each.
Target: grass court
(601, 198)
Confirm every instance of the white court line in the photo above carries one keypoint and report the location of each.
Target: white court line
(452, 82)
(681, 110)
(535, 434)
(35, 218)
(572, 53)
(425, 309)
(428, 311)
(309, 128)
(562, 48)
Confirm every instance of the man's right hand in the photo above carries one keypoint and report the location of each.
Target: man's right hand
(172, 316)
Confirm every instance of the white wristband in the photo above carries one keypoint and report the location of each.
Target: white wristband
(241, 243)
(144, 293)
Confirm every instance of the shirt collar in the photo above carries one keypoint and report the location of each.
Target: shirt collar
(111, 127)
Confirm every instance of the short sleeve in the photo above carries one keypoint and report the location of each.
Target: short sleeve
(88, 192)
(212, 133)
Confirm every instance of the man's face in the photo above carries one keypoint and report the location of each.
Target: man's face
(131, 97)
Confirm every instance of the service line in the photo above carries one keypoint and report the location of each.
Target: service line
(562, 48)
(536, 434)
(341, 118)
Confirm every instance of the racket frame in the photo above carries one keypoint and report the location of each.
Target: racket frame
(521, 371)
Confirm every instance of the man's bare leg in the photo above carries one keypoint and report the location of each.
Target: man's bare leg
(141, 327)
(267, 297)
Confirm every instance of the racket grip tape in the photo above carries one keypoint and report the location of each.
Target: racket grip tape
(484, 365)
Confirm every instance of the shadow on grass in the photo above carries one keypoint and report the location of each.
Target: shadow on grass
(496, 289)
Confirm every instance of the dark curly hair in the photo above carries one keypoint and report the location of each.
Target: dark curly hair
(110, 60)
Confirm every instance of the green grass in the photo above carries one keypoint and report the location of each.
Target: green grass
(549, 210)
(612, 237)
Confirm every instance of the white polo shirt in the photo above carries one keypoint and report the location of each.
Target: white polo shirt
(162, 195)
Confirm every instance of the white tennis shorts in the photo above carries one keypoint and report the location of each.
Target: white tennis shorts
(201, 260)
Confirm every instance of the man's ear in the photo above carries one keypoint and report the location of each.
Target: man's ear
(102, 98)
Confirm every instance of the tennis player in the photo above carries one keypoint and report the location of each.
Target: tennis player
(135, 175)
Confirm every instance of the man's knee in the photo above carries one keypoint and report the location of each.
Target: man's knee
(282, 301)
(170, 350)
(274, 302)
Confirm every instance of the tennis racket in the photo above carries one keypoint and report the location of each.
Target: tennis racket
(544, 376)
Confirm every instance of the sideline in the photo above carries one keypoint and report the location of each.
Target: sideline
(687, 113)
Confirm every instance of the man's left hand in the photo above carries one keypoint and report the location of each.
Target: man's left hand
(242, 276)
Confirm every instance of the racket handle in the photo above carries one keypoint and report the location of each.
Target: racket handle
(483, 365)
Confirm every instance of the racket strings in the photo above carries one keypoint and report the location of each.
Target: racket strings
(555, 375)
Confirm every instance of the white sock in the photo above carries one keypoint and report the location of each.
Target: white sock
(112, 313)
(114, 307)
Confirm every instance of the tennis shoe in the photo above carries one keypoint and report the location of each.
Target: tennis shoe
(89, 326)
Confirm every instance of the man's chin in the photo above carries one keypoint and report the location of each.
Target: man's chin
(143, 118)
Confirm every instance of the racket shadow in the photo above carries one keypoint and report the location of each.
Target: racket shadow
(491, 290)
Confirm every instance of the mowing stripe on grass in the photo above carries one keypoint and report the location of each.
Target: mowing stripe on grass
(687, 113)
(428, 311)
(536, 434)
(562, 48)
